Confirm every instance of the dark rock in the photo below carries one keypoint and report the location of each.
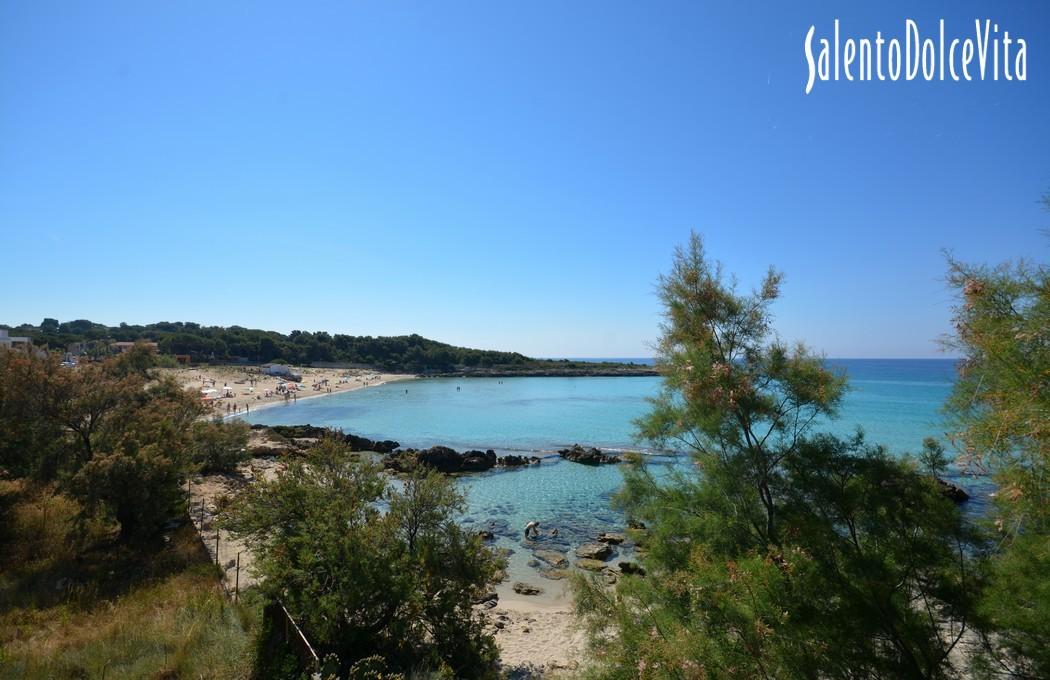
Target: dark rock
(631, 568)
(526, 589)
(490, 596)
(591, 456)
(512, 460)
(634, 524)
(487, 535)
(551, 557)
(309, 435)
(590, 565)
(952, 492)
(440, 458)
(363, 444)
(611, 538)
(595, 551)
(477, 461)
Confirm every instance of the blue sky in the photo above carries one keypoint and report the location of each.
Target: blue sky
(497, 174)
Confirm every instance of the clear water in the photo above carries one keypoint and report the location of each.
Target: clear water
(896, 402)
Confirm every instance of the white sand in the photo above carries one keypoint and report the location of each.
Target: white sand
(250, 387)
(536, 639)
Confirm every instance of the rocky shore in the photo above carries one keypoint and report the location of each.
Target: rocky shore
(304, 436)
(449, 461)
(585, 456)
(270, 440)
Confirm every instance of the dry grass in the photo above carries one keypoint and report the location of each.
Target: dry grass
(109, 610)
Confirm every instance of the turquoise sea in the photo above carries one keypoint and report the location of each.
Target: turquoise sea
(896, 402)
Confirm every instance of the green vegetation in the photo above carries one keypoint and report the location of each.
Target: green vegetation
(73, 604)
(369, 569)
(409, 353)
(92, 464)
(787, 553)
(219, 446)
(113, 436)
(1002, 407)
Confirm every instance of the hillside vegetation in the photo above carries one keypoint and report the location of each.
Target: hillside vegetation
(407, 353)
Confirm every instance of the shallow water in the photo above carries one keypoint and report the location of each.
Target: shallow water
(897, 402)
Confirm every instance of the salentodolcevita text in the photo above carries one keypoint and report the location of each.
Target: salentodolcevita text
(986, 54)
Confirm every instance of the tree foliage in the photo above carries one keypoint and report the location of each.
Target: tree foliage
(1001, 406)
(219, 446)
(369, 568)
(114, 436)
(411, 353)
(783, 552)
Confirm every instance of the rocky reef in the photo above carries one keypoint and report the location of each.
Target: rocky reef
(305, 435)
(584, 456)
(444, 459)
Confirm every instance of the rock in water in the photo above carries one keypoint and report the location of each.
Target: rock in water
(591, 456)
(590, 565)
(526, 589)
(952, 491)
(552, 557)
(554, 574)
(442, 459)
(612, 538)
(511, 460)
(594, 551)
(477, 461)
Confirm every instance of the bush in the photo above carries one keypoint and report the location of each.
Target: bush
(362, 581)
(219, 446)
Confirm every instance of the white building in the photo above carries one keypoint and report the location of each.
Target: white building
(282, 371)
(9, 341)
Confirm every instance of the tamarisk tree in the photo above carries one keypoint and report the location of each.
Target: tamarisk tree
(782, 552)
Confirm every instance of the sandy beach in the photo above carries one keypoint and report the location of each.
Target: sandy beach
(243, 389)
(535, 639)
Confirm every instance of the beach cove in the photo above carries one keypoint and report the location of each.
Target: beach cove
(896, 402)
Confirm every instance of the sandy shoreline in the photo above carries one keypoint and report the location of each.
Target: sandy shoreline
(249, 390)
(537, 637)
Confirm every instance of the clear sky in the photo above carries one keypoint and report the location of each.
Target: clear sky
(506, 175)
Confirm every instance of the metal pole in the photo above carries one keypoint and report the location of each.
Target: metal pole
(216, 546)
(237, 580)
(202, 514)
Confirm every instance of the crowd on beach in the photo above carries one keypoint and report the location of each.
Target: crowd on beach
(230, 390)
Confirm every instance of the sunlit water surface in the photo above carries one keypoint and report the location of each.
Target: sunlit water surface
(896, 402)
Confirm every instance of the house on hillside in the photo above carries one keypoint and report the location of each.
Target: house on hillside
(8, 341)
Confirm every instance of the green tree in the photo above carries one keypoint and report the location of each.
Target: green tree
(734, 394)
(32, 442)
(365, 581)
(1001, 406)
(780, 553)
(112, 434)
(219, 446)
